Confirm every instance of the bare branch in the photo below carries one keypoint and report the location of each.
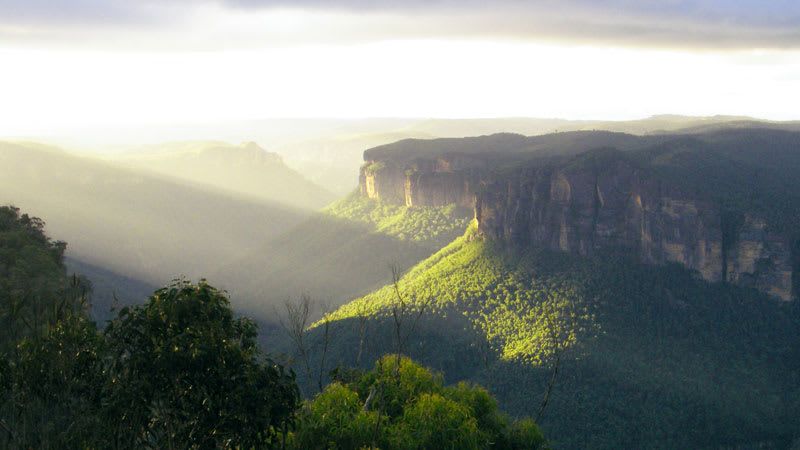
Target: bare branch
(295, 324)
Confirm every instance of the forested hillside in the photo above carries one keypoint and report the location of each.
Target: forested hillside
(638, 356)
(549, 302)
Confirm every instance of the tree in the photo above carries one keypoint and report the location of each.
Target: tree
(35, 290)
(540, 330)
(55, 395)
(49, 349)
(437, 422)
(402, 310)
(296, 323)
(184, 373)
(414, 411)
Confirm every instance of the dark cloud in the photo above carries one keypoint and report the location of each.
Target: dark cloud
(669, 23)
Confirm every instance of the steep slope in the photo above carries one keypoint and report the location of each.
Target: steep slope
(723, 203)
(245, 169)
(643, 274)
(132, 223)
(345, 251)
(648, 357)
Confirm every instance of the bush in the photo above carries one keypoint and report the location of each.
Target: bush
(402, 405)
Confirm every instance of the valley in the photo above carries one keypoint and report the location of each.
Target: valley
(400, 225)
(623, 290)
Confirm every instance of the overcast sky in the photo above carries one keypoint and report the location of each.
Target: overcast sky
(68, 63)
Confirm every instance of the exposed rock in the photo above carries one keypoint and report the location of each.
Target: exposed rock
(581, 208)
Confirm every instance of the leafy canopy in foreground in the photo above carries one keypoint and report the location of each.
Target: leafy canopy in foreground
(34, 288)
(184, 371)
(177, 372)
(402, 405)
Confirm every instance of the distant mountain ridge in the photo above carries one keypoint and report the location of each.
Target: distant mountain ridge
(136, 227)
(245, 169)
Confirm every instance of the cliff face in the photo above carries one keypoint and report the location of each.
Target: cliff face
(581, 211)
(436, 182)
(583, 208)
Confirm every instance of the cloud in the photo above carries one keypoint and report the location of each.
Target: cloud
(714, 24)
(72, 12)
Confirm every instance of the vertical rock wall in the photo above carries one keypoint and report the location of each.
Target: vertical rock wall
(583, 209)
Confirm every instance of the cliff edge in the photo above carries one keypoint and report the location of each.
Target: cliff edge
(658, 200)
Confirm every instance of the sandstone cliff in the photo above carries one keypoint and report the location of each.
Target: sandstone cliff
(582, 205)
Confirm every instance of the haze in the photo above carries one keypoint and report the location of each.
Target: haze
(400, 224)
(96, 73)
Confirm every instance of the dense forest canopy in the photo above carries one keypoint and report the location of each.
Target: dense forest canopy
(687, 364)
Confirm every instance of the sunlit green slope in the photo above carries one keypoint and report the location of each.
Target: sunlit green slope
(423, 224)
(648, 357)
(345, 251)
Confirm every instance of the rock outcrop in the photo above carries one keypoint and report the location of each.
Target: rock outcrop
(438, 182)
(583, 207)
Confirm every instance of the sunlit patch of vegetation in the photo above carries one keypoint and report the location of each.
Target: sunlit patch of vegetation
(423, 224)
(673, 355)
(375, 167)
(524, 316)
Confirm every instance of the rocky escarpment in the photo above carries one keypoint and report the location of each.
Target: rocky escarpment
(583, 210)
(437, 182)
(582, 206)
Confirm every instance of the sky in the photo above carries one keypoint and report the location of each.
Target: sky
(73, 64)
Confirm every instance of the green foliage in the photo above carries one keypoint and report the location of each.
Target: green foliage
(651, 356)
(402, 405)
(524, 317)
(436, 422)
(335, 420)
(342, 253)
(745, 171)
(177, 372)
(422, 224)
(524, 431)
(34, 288)
(48, 357)
(399, 381)
(5, 377)
(56, 387)
(184, 372)
(374, 167)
